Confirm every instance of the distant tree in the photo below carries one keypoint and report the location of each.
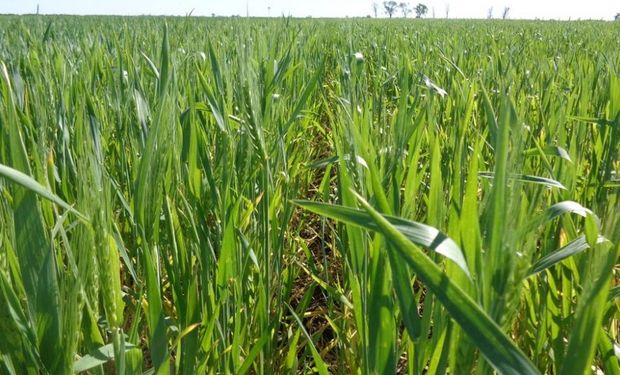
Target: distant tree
(420, 10)
(505, 13)
(490, 13)
(375, 9)
(404, 8)
(447, 10)
(390, 7)
(617, 18)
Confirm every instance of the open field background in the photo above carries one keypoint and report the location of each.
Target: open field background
(297, 196)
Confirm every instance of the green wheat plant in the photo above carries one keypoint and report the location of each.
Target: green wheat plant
(263, 196)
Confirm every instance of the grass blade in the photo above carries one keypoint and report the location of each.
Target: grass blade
(98, 357)
(31, 184)
(318, 361)
(548, 182)
(497, 348)
(420, 234)
(574, 247)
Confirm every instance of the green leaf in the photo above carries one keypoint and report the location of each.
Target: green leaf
(555, 211)
(609, 352)
(305, 94)
(496, 347)
(318, 361)
(152, 68)
(401, 275)
(551, 151)
(32, 185)
(335, 159)
(574, 247)
(420, 234)
(98, 357)
(594, 120)
(565, 207)
(584, 332)
(527, 178)
(256, 349)
(165, 65)
(591, 230)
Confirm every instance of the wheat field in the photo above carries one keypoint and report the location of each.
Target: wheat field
(270, 196)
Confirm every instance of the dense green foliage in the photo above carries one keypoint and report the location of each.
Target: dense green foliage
(295, 196)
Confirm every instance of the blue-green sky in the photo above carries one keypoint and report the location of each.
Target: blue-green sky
(545, 9)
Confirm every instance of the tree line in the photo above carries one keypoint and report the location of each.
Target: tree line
(392, 7)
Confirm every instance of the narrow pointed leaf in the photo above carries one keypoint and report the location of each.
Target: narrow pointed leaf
(526, 178)
(572, 248)
(497, 348)
(550, 151)
(556, 211)
(420, 234)
(318, 361)
(98, 357)
(34, 186)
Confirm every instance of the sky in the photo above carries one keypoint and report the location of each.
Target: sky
(526, 9)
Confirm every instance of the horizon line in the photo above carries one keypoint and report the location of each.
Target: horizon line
(367, 17)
